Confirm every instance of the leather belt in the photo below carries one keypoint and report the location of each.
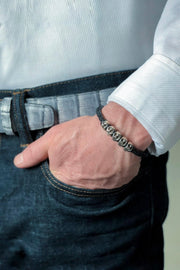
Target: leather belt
(44, 112)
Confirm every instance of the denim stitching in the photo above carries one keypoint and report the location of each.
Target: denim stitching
(24, 145)
(21, 109)
(58, 183)
(76, 194)
(4, 91)
(80, 79)
(65, 82)
(92, 194)
(15, 112)
(61, 188)
(21, 92)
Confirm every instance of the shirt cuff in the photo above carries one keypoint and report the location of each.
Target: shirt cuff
(152, 95)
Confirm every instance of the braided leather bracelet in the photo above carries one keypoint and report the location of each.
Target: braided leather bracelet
(116, 136)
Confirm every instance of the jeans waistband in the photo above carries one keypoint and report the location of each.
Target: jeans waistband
(49, 104)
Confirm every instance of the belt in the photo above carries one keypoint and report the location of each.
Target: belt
(44, 112)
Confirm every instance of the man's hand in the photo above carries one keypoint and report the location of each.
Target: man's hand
(81, 153)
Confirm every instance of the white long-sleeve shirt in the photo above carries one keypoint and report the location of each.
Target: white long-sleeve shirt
(152, 93)
(46, 41)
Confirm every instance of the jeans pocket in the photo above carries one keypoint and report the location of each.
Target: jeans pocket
(97, 226)
(93, 202)
(83, 192)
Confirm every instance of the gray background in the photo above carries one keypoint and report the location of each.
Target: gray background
(172, 223)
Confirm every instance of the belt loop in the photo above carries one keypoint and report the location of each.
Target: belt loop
(5, 115)
(19, 116)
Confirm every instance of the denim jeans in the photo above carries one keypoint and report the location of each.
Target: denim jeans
(46, 224)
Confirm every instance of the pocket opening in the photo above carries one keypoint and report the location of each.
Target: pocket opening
(60, 185)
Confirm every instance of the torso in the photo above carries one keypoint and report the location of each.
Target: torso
(46, 41)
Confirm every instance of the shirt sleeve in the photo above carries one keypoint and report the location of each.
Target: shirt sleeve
(152, 93)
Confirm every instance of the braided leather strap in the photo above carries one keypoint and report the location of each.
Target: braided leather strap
(118, 137)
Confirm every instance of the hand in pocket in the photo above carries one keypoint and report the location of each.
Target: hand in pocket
(81, 154)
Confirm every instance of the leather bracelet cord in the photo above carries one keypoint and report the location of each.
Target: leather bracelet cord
(118, 137)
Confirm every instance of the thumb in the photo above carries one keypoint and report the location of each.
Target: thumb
(35, 153)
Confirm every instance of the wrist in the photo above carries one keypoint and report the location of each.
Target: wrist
(127, 125)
